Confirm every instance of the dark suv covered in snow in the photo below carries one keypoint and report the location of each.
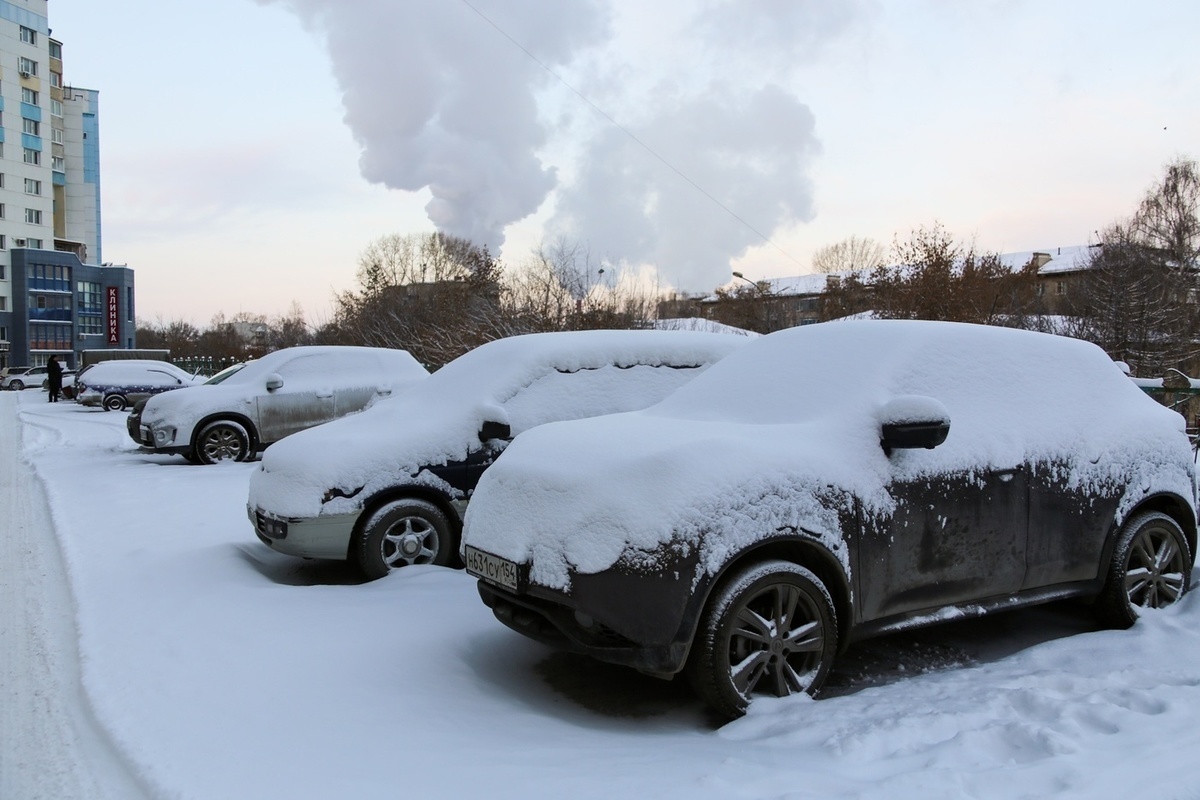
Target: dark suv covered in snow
(832, 482)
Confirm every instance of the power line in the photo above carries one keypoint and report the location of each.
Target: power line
(629, 133)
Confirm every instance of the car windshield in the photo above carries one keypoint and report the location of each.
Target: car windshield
(223, 374)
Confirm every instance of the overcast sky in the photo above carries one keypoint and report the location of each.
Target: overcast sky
(251, 149)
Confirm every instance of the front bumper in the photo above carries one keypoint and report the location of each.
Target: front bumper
(325, 537)
(643, 620)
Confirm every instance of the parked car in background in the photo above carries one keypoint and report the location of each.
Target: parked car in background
(19, 378)
(832, 482)
(387, 488)
(240, 412)
(116, 385)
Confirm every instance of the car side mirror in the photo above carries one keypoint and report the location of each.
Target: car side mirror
(274, 381)
(494, 430)
(913, 422)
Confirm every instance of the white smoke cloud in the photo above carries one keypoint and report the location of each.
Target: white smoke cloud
(442, 97)
(437, 97)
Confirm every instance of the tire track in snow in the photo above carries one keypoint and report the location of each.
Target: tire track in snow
(50, 745)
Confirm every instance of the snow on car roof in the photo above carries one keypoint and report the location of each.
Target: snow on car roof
(130, 372)
(797, 411)
(439, 419)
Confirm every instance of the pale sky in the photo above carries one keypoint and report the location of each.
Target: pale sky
(251, 149)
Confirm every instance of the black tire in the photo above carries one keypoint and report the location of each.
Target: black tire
(1151, 568)
(114, 402)
(400, 533)
(222, 440)
(769, 629)
(17, 385)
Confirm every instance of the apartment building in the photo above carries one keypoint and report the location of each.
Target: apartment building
(57, 297)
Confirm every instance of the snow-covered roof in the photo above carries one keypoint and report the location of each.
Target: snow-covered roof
(1062, 259)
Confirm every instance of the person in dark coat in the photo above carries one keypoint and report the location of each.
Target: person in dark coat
(54, 372)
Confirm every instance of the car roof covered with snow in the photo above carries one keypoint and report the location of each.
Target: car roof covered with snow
(800, 410)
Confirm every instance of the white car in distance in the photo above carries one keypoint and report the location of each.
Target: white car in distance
(266, 400)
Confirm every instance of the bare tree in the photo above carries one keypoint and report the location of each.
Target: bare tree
(1168, 219)
(854, 254)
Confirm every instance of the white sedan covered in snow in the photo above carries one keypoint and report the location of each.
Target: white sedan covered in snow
(832, 482)
(387, 488)
(265, 400)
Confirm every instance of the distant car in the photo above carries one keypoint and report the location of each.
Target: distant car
(116, 385)
(387, 488)
(831, 482)
(240, 412)
(20, 377)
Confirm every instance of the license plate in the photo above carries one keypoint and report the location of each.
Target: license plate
(492, 569)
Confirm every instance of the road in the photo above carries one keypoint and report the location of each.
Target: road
(50, 745)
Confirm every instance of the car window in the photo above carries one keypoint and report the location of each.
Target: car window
(158, 377)
(330, 368)
(225, 373)
(591, 392)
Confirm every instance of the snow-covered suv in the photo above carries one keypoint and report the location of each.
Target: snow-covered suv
(832, 482)
(387, 488)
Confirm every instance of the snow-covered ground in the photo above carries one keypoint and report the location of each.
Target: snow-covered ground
(214, 668)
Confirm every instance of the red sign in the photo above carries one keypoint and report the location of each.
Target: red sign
(114, 314)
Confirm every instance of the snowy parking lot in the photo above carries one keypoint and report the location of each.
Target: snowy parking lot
(175, 656)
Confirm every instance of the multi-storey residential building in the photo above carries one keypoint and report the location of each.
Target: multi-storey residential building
(56, 296)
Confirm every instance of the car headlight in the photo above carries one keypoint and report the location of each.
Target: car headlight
(163, 436)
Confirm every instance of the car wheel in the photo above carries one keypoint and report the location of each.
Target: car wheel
(401, 533)
(1151, 568)
(17, 386)
(223, 440)
(771, 629)
(114, 402)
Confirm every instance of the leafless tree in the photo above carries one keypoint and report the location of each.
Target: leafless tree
(850, 255)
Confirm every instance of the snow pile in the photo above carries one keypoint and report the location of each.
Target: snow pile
(793, 418)
(522, 381)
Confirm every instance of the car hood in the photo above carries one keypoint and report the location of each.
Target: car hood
(565, 500)
(332, 468)
(182, 407)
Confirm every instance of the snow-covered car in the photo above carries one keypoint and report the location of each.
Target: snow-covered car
(17, 378)
(239, 412)
(116, 385)
(387, 488)
(832, 482)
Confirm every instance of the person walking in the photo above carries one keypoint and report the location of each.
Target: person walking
(54, 373)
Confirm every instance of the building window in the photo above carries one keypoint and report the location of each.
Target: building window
(58, 163)
(1060, 288)
(29, 96)
(33, 216)
(31, 126)
(3, 242)
(56, 135)
(1, 210)
(3, 303)
(55, 50)
(33, 186)
(55, 78)
(35, 244)
(27, 66)
(56, 107)
(33, 156)
(28, 35)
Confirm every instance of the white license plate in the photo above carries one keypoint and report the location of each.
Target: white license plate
(492, 569)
